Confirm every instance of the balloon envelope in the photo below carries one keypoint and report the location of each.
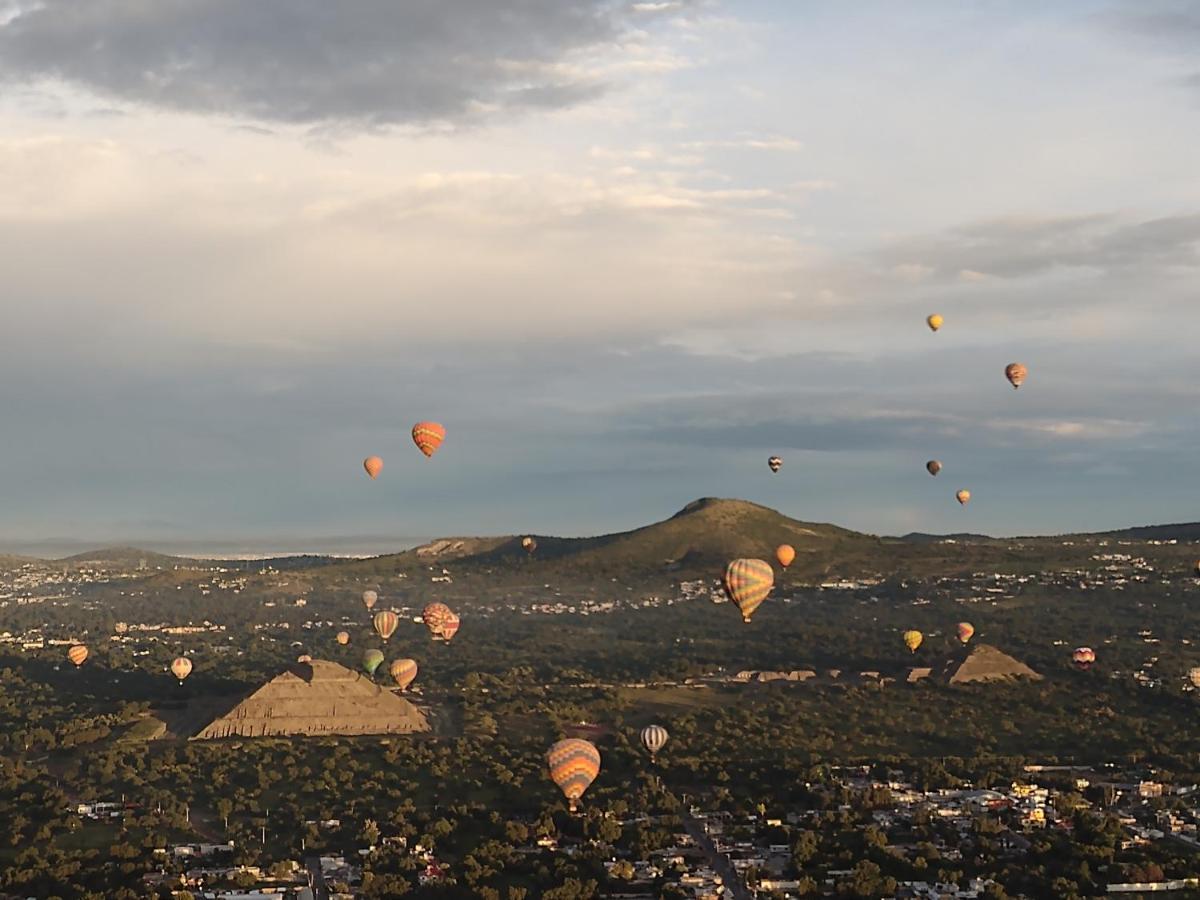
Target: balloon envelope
(181, 667)
(370, 598)
(530, 544)
(373, 465)
(963, 497)
(1194, 676)
(372, 660)
(428, 436)
(934, 322)
(403, 671)
(933, 467)
(965, 631)
(774, 463)
(385, 623)
(785, 553)
(654, 738)
(1015, 373)
(574, 765)
(1083, 657)
(450, 627)
(77, 654)
(748, 581)
(435, 616)
(912, 640)
(343, 638)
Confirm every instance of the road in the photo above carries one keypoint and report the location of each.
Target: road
(716, 861)
(317, 879)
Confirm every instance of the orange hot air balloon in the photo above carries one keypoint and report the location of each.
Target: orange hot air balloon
(934, 322)
(785, 553)
(77, 654)
(574, 765)
(181, 668)
(1015, 373)
(343, 638)
(912, 640)
(965, 631)
(963, 497)
(404, 671)
(748, 581)
(428, 436)
(385, 623)
(1084, 657)
(435, 616)
(373, 465)
(450, 627)
(933, 467)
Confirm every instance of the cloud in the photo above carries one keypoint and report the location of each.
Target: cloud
(364, 62)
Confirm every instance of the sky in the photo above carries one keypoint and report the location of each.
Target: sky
(623, 251)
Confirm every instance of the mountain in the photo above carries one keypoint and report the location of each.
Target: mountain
(123, 557)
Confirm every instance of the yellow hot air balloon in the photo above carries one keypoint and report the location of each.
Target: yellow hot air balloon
(785, 553)
(370, 598)
(963, 497)
(965, 631)
(404, 671)
(934, 322)
(385, 623)
(912, 640)
(77, 654)
(1015, 373)
(748, 581)
(343, 638)
(373, 465)
(574, 765)
(181, 668)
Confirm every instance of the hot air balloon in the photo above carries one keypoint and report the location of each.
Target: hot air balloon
(912, 640)
(1015, 373)
(1198, 568)
(343, 638)
(385, 623)
(77, 654)
(304, 659)
(574, 765)
(404, 671)
(372, 660)
(654, 738)
(450, 627)
(748, 581)
(181, 668)
(435, 616)
(934, 322)
(1083, 657)
(785, 553)
(370, 598)
(1194, 676)
(529, 544)
(963, 497)
(965, 631)
(428, 436)
(933, 467)
(373, 465)
(774, 463)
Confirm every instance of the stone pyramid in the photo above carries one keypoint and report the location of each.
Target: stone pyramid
(987, 663)
(318, 698)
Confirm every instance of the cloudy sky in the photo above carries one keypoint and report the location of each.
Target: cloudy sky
(623, 250)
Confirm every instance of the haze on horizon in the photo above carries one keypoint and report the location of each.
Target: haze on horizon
(623, 250)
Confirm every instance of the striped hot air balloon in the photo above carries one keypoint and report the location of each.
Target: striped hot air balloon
(912, 640)
(435, 616)
(385, 623)
(574, 765)
(370, 598)
(404, 672)
(748, 581)
(372, 660)
(786, 554)
(1083, 657)
(181, 668)
(774, 463)
(933, 467)
(373, 465)
(77, 654)
(428, 436)
(965, 631)
(1016, 374)
(654, 738)
(343, 638)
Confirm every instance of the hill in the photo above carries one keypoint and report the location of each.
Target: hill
(921, 537)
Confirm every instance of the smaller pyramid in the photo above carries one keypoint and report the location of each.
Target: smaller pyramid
(320, 697)
(986, 663)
